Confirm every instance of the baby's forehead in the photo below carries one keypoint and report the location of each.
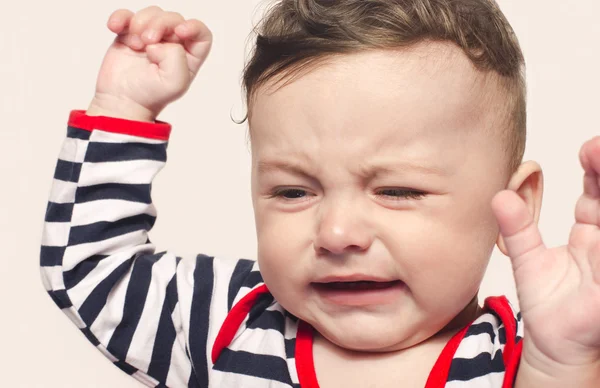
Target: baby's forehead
(430, 91)
(436, 78)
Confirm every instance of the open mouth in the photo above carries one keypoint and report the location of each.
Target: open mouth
(360, 293)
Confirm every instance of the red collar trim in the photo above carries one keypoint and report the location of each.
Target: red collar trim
(234, 320)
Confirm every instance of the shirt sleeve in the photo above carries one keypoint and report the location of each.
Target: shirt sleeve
(100, 267)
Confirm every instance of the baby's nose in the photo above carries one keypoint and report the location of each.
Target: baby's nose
(342, 231)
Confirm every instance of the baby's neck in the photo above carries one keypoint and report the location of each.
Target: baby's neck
(339, 367)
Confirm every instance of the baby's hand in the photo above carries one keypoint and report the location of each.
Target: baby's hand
(558, 288)
(151, 63)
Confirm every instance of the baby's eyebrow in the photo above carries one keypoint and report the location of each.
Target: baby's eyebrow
(365, 171)
(266, 166)
(369, 171)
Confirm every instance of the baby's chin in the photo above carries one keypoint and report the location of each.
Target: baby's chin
(371, 334)
(367, 341)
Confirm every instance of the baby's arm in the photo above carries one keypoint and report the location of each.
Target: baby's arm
(97, 262)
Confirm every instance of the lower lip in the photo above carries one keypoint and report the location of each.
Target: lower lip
(360, 297)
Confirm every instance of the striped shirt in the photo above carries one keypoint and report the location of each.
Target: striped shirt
(200, 321)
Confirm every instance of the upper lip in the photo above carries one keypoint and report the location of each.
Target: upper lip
(354, 278)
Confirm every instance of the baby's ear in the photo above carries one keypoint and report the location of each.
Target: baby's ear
(528, 182)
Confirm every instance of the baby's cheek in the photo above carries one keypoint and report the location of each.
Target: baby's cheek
(279, 254)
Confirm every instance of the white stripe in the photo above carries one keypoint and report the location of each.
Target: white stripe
(62, 191)
(80, 292)
(126, 172)
(241, 294)
(74, 317)
(291, 364)
(185, 290)
(145, 379)
(223, 270)
(135, 240)
(489, 318)
(180, 368)
(142, 342)
(220, 379)
(472, 346)
(110, 137)
(52, 278)
(109, 210)
(56, 234)
(112, 313)
(491, 380)
(73, 150)
(258, 341)
(103, 350)
(291, 328)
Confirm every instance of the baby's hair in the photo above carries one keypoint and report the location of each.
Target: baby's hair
(297, 35)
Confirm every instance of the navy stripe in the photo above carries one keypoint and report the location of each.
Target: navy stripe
(160, 361)
(481, 328)
(91, 337)
(240, 273)
(97, 299)
(98, 152)
(290, 348)
(135, 193)
(201, 299)
(267, 320)
(78, 133)
(104, 230)
(61, 298)
(502, 335)
(467, 369)
(58, 212)
(67, 171)
(125, 367)
(252, 279)
(263, 301)
(51, 256)
(257, 365)
(81, 270)
(135, 300)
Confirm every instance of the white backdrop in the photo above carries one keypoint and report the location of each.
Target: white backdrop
(50, 53)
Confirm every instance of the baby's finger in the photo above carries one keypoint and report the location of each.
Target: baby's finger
(118, 22)
(142, 18)
(197, 38)
(589, 156)
(161, 26)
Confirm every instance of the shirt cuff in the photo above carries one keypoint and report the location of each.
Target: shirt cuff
(158, 130)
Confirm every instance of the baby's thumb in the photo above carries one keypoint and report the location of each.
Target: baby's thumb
(172, 64)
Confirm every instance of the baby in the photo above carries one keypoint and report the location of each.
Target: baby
(387, 143)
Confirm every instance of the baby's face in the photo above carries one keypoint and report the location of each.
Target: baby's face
(372, 179)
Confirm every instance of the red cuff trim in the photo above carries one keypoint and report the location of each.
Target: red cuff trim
(305, 364)
(234, 319)
(158, 130)
(438, 377)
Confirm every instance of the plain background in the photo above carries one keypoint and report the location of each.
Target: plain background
(50, 55)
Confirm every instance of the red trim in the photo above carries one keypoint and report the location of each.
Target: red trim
(305, 364)
(512, 366)
(500, 305)
(438, 377)
(234, 319)
(512, 351)
(158, 130)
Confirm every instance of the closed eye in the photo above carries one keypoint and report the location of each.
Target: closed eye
(289, 193)
(397, 193)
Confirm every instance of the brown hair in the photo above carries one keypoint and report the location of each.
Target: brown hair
(297, 34)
